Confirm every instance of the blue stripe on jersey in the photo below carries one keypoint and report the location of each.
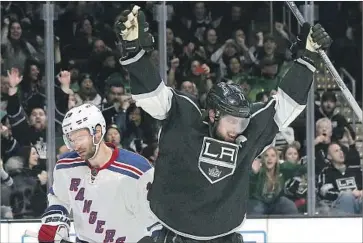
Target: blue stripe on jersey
(54, 209)
(70, 165)
(123, 172)
(134, 160)
(68, 155)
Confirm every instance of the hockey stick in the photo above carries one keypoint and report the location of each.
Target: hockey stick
(35, 235)
(353, 103)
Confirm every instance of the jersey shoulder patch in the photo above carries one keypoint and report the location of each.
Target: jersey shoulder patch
(69, 160)
(130, 164)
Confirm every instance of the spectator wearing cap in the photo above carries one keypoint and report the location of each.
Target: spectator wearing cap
(114, 136)
(87, 92)
(327, 109)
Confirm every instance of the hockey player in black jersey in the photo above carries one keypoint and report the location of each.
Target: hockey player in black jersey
(200, 188)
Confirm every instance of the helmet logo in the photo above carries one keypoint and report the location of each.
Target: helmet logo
(69, 115)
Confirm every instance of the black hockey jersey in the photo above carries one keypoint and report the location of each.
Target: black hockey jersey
(200, 188)
(333, 181)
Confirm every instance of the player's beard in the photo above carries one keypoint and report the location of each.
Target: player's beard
(90, 153)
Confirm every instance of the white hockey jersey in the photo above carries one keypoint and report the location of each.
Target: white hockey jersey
(108, 204)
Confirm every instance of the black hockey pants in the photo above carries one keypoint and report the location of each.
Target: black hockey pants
(167, 236)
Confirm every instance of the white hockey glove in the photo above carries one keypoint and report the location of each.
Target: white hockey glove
(55, 225)
(133, 32)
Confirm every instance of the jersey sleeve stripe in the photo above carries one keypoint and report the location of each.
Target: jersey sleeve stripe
(70, 165)
(123, 172)
(69, 160)
(128, 167)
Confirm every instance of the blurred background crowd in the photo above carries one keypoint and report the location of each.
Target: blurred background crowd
(246, 43)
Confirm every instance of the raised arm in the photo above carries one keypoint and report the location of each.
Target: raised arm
(148, 90)
(295, 85)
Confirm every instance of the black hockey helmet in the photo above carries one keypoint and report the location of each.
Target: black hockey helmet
(228, 99)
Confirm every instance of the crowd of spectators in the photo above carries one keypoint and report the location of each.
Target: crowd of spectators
(206, 43)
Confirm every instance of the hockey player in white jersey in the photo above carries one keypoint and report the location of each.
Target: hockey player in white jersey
(104, 187)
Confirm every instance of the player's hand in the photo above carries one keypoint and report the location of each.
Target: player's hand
(317, 38)
(133, 32)
(314, 38)
(55, 227)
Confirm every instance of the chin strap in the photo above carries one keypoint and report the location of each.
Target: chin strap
(97, 145)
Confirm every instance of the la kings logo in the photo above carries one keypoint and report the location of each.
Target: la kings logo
(346, 183)
(217, 159)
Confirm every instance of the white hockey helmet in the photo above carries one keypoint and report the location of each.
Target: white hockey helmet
(84, 116)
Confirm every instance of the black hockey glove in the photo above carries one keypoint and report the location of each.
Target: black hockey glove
(311, 40)
(132, 31)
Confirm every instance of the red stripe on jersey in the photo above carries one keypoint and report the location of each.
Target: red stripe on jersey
(127, 167)
(69, 160)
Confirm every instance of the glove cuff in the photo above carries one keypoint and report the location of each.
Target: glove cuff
(311, 57)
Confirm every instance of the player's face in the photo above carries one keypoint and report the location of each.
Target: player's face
(229, 127)
(82, 142)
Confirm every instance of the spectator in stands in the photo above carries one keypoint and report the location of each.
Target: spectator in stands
(340, 185)
(323, 137)
(115, 104)
(28, 197)
(87, 92)
(139, 129)
(4, 85)
(32, 91)
(16, 49)
(267, 184)
(326, 109)
(296, 187)
(199, 22)
(6, 182)
(347, 144)
(199, 74)
(9, 145)
(113, 135)
(210, 41)
(223, 54)
(189, 88)
(85, 37)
